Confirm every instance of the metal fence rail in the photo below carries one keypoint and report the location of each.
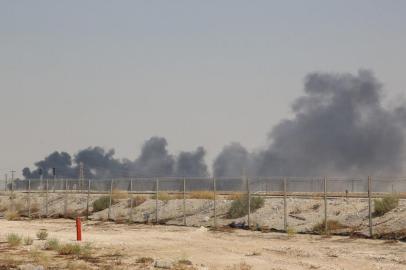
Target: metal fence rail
(283, 187)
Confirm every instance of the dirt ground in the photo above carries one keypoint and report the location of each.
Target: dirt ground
(120, 246)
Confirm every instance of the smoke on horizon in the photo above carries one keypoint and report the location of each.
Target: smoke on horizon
(340, 127)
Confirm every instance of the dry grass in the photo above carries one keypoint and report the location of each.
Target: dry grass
(137, 200)
(77, 250)
(12, 215)
(145, 260)
(78, 265)
(14, 240)
(291, 231)
(28, 241)
(235, 196)
(3, 206)
(69, 249)
(240, 266)
(332, 225)
(119, 194)
(163, 196)
(203, 195)
(52, 244)
(39, 257)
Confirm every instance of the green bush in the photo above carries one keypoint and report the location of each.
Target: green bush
(14, 239)
(102, 203)
(239, 206)
(384, 205)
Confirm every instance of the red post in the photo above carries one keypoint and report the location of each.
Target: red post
(78, 229)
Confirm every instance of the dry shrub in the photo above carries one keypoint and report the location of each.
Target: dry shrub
(77, 265)
(118, 194)
(52, 244)
(14, 240)
(240, 266)
(386, 204)
(236, 196)
(39, 257)
(291, 231)
(34, 207)
(332, 225)
(204, 195)
(145, 260)
(3, 206)
(28, 241)
(316, 206)
(163, 196)
(42, 234)
(69, 249)
(77, 250)
(296, 210)
(12, 215)
(137, 200)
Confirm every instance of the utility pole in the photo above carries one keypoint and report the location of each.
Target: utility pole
(5, 186)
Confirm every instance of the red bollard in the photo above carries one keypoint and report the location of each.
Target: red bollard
(78, 229)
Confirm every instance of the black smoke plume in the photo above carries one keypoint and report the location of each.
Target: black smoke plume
(154, 160)
(340, 127)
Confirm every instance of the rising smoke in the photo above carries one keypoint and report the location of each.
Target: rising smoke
(340, 127)
(154, 160)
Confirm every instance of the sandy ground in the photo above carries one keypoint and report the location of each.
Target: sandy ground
(205, 249)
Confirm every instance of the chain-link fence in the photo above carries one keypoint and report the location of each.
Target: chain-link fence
(291, 204)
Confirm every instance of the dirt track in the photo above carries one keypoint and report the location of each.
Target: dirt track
(218, 250)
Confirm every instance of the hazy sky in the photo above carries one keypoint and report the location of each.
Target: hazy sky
(75, 74)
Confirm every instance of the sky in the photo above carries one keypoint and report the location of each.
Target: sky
(75, 74)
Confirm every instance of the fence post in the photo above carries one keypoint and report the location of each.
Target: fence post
(370, 206)
(53, 182)
(29, 198)
(65, 203)
(46, 198)
(214, 202)
(111, 194)
(249, 202)
(325, 206)
(87, 199)
(156, 200)
(131, 201)
(184, 201)
(285, 207)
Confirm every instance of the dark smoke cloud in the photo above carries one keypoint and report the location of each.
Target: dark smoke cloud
(232, 161)
(154, 160)
(340, 127)
(192, 163)
(62, 161)
(98, 163)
